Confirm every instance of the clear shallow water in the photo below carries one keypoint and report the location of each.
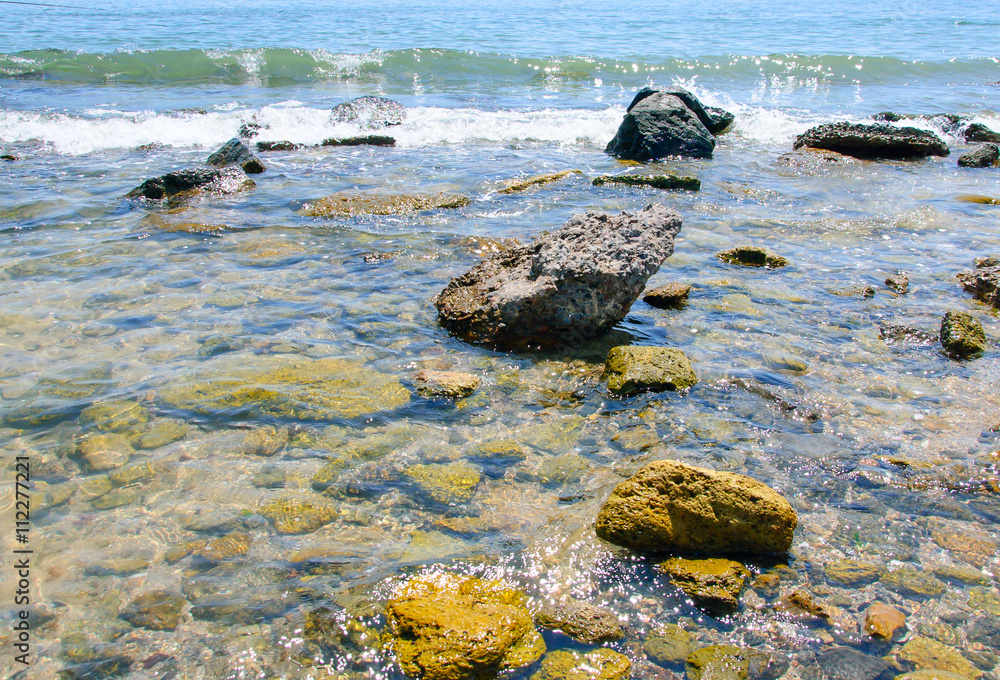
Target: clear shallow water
(885, 450)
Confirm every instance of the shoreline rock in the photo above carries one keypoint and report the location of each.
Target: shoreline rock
(984, 281)
(365, 140)
(666, 182)
(751, 256)
(962, 335)
(516, 185)
(349, 205)
(670, 506)
(235, 152)
(567, 286)
(636, 369)
(223, 181)
(667, 296)
(369, 112)
(984, 156)
(873, 141)
(672, 122)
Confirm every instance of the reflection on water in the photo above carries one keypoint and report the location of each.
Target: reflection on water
(219, 402)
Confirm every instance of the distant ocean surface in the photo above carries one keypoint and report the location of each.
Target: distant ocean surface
(122, 321)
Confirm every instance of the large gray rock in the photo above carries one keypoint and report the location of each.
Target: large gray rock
(572, 284)
(716, 120)
(369, 112)
(212, 180)
(873, 141)
(235, 152)
(661, 123)
(983, 156)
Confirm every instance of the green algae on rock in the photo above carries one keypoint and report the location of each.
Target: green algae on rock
(599, 664)
(286, 387)
(719, 662)
(928, 654)
(449, 384)
(962, 335)
(630, 369)
(581, 621)
(299, 514)
(668, 182)
(127, 418)
(515, 185)
(104, 452)
(447, 627)
(751, 256)
(350, 205)
(670, 506)
(451, 484)
(715, 584)
(264, 441)
(155, 610)
(668, 645)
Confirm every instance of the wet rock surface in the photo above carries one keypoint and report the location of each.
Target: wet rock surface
(719, 662)
(518, 185)
(984, 281)
(668, 295)
(631, 369)
(351, 204)
(962, 335)
(752, 256)
(222, 181)
(983, 156)
(873, 141)
(581, 621)
(446, 627)
(572, 284)
(844, 663)
(659, 124)
(450, 384)
(599, 664)
(714, 584)
(235, 152)
(977, 132)
(667, 182)
(156, 610)
(669, 506)
(364, 140)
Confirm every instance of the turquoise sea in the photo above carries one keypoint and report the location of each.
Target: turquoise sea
(272, 528)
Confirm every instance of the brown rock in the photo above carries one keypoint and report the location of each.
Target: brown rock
(668, 295)
(883, 621)
(450, 384)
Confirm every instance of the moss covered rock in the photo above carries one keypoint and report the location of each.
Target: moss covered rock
(670, 506)
(286, 387)
(668, 645)
(127, 418)
(911, 582)
(926, 653)
(516, 185)
(264, 441)
(668, 182)
(719, 662)
(751, 256)
(160, 432)
(599, 664)
(450, 484)
(581, 621)
(105, 451)
(299, 514)
(156, 610)
(962, 335)
(349, 205)
(631, 369)
(449, 384)
(853, 572)
(446, 627)
(714, 584)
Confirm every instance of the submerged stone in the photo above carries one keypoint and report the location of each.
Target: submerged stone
(926, 653)
(105, 451)
(668, 645)
(350, 205)
(873, 141)
(599, 664)
(299, 514)
(912, 583)
(898, 283)
(449, 384)
(714, 584)
(572, 284)
(446, 627)
(962, 335)
(116, 498)
(155, 610)
(630, 369)
(883, 621)
(160, 432)
(977, 132)
(264, 441)
(516, 185)
(450, 484)
(853, 572)
(751, 256)
(670, 506)
(581, 621)
(122, 417)
(667, 182)
(719, 662)
(282, 386)
(844, 663)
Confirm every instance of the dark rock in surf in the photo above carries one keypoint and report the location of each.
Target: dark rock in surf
(714, 119)
(977, 132)
(984, 156)
(366, 140)
(660, 123)
(369, 112)
(962, 335)
(984, 281)
(572, 284)
(235, 152)
(873, 141)
(887, 117)
(212, 180)
(279, 146)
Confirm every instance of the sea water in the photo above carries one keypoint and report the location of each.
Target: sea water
(886, 449)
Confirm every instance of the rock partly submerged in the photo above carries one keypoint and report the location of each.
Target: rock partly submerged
(984, 281)
(672, 122)
(581, 621)
(369, 112)
(235, 153)
(670, 506)
(637, 369)
(218, 181)
(873, 141)
(448, 627)
(962, 335)
(517, 185)
(983, 156)
(349, 204)
(666, 182)
(572, 284)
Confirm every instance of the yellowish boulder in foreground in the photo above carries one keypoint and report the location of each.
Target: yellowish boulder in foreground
(673, 507)
(450, 627)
